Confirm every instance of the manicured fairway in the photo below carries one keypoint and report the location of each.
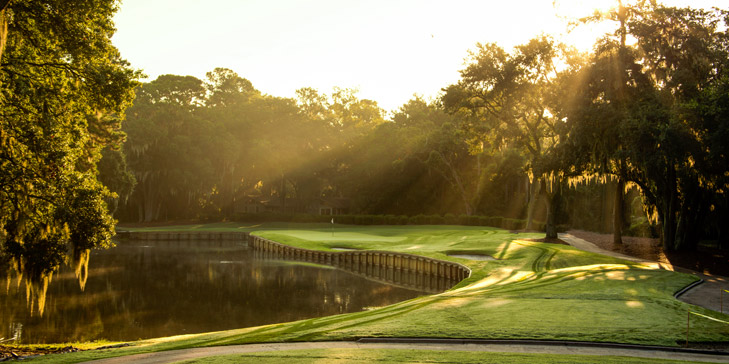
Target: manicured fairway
(532, 291)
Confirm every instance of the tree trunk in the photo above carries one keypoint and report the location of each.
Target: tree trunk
(454, 178)
(689, 229)
(551, 226)
(461, 189)
(669, 224)
(535, 189)
(723, 229)
(618, 211)
(140, 212)
(151, 204)
(669, 212)
(283, 193)
(553, 200)
(3, 27)
(723, 215)
(604, 205)
(462, 192)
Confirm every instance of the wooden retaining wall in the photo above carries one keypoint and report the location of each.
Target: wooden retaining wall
(182, 236)
(407, 270)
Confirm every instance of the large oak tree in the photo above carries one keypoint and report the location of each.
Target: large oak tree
(653, 112)
(504, 100)
(63, 91)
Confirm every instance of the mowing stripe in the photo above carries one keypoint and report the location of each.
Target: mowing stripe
(544, 260)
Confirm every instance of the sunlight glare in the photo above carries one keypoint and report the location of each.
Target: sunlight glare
(389, 50)
(583, 35)
(495, 303)
(582, 8)
(453, 302)
(498, 277)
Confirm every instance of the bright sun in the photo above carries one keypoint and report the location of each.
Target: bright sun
(582, 8)
(584, 36)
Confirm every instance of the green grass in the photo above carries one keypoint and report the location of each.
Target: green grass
(387, 356)
(533, 291)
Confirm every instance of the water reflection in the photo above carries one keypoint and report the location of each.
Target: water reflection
(36, 277)
(138, 290)
(384, 273)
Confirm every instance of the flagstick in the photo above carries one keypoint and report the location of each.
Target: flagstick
(332, 227)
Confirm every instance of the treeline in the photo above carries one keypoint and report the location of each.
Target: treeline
(635, 132)
(183, 160)
(196, 148)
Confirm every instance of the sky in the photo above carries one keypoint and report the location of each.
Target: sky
(389, 50)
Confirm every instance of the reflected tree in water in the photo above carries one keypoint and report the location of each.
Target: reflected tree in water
(144, 290)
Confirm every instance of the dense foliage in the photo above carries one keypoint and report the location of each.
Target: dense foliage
(63, 90)
(654, 114)
(195, 157)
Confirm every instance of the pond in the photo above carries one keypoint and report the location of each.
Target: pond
(143, 289)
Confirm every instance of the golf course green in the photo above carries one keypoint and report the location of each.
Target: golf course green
(532, 290)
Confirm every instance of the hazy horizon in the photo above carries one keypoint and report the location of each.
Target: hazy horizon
(388, 50)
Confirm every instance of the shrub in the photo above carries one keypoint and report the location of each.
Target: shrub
(513, 224)
(450, 219)
(304, 218)
(418, 220)
(496, 221)
(435, 220)
(377, 220)
(391, 219)
(344, 219)
(462, 219)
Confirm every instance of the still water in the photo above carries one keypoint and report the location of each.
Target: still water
(142, 290)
